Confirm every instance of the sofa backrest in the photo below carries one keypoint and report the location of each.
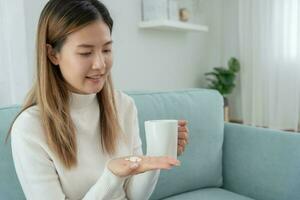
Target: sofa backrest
(9, 184)
(201, 163)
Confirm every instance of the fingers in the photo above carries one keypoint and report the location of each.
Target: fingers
(182, 142)
(183, 135)
(169, 162)
(182, 122)
(180, 150)
(183, 129)
(161, 162)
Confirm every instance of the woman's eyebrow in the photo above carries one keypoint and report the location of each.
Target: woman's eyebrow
(107, 43)
(85, 45)
(91, 46)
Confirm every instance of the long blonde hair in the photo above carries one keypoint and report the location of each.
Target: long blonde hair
(58, 19)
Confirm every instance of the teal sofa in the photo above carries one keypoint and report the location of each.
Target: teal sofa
(223, 161)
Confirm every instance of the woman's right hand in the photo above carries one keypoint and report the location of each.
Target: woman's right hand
(122, 167)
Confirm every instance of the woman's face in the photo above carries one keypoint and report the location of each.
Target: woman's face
(85, 59)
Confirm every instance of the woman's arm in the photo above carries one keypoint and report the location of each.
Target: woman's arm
(38, 176)
(140, 186)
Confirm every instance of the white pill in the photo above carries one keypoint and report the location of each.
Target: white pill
(133, 159)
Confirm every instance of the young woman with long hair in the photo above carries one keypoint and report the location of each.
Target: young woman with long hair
(75, 135)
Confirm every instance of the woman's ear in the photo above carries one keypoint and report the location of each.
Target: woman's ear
(52, 55)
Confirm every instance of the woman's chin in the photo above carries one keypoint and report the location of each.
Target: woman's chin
(94, 89)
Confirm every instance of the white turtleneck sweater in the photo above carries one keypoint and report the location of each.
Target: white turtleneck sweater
(42, 175)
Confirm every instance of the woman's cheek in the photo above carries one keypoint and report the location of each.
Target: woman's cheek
(82, 64)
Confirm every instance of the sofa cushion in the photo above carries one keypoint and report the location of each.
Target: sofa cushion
(9, 184)
(209, 194)
(201, 163)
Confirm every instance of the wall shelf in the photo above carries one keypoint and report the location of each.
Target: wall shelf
(172, 25)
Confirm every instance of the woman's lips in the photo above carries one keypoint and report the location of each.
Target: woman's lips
(94, 79)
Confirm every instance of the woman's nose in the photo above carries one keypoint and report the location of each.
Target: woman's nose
(99, 62)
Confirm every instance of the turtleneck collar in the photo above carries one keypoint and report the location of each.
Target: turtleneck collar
(81, 100)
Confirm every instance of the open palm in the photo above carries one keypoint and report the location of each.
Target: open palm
(123, 167)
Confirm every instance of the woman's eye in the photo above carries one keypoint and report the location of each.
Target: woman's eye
(86, 54)
(107, 51)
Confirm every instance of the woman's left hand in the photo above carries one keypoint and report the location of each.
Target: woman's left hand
(183, 136)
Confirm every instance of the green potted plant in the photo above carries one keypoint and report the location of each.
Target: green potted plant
(223, 79)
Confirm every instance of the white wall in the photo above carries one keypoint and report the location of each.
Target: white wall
(33, 9)
(148, 59)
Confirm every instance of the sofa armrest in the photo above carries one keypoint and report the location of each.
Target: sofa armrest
(261, 163)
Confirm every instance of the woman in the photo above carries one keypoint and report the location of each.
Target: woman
(76, 135)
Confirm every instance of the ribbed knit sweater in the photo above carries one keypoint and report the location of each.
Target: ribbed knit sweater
(43, 176)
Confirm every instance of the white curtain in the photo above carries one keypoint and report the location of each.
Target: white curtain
(14, 76)
(269, 38)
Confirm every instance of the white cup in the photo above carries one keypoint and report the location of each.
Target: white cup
(161, 137)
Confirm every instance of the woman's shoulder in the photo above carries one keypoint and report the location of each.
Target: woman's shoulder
(28, 122)
(125, 104)
(123, 99)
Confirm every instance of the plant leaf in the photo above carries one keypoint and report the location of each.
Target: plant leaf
(234, 65)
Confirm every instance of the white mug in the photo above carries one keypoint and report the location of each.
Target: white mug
(162, 137)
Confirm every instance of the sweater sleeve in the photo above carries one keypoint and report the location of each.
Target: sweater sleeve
(140, 186)
(38, 176)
